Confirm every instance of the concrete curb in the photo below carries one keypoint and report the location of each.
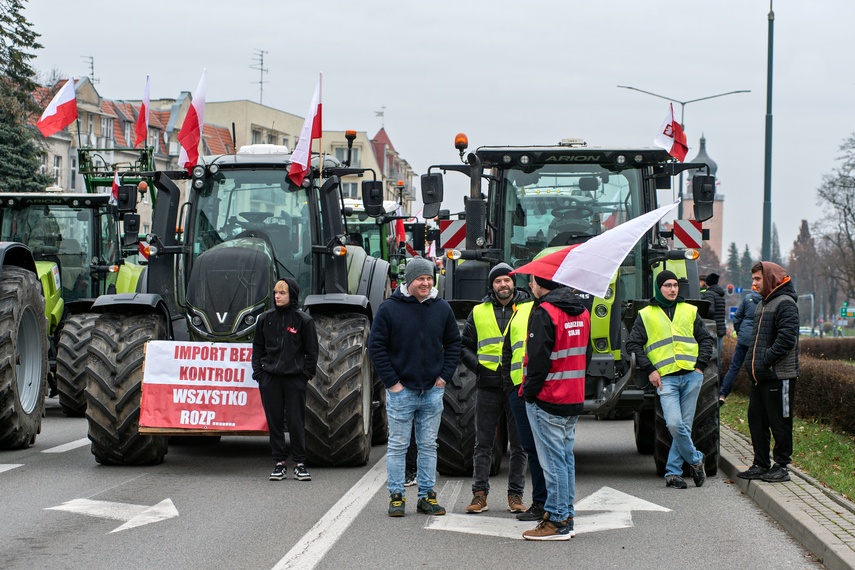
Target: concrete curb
(822, 543)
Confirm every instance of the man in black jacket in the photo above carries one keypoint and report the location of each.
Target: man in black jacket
(714, 294)
(284, 359)
(772, 366)
(483, 336)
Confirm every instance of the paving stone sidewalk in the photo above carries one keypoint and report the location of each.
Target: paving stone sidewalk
(822, 520)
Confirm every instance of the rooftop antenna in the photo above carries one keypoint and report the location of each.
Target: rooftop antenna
(91, 60)
(259, 65)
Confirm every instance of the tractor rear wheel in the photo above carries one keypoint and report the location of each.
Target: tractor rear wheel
(339, 397)
(457, 429)
(23, 357)
(645, 431)
(71, 362)
(114, 374)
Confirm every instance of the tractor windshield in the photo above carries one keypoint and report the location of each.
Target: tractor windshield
(558, 205)
(259, 204)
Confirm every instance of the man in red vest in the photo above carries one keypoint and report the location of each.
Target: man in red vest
(553, 387)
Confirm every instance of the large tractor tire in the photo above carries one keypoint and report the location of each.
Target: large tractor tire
(23, 357)
(379, 420)
(114, 374)
(705, 429)
(339, 397)
(71, 363)
(645, 431)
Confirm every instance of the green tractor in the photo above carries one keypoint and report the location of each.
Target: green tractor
(23, 346)
(541, 199)
(245, 225)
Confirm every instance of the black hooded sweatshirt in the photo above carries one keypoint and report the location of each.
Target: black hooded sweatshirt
(285, 342)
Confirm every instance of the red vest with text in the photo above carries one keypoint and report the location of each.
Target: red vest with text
(565, 383)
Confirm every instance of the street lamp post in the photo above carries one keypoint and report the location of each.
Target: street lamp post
(682, 124)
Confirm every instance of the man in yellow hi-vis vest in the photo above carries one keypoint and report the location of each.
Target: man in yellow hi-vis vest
(672, 346)
(482, 340)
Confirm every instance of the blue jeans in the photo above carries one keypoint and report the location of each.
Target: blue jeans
(736, 363)
(424, 407)
(554, 437)
(538, 483)
(679, 398)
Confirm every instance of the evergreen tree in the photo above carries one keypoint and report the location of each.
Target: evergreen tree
(745, 265)
(733, 269)
(776, 247)
(19, 150)
(803, 264)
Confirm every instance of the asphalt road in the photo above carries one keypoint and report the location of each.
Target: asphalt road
(211, 506)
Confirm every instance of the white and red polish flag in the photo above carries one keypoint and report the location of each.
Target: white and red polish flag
(114, 192)
(141, 128)
(190, 134)
(311, 130)
(671, 136)
(60, 112)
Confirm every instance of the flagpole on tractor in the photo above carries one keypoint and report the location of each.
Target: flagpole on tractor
(682, 123)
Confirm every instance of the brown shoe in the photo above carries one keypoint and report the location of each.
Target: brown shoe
(515, 504)
(548, 530)
(478, 504)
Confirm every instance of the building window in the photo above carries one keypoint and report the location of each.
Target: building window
(72, 178)
(341, 155)
(285, 142)
(350, 190)
(43, 165)
(256, 136)
(57, 169)
(271, 139)
(107, 131)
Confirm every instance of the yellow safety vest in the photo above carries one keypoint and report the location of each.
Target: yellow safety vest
(490, 338)
(518, 333)
(671, 344)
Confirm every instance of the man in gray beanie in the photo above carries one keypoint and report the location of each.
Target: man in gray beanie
(483, 337)
(415, 347)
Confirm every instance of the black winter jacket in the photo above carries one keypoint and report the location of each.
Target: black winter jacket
(469, 356)
(285, 344)
(715, 295)
(774, 351)
(638, 338)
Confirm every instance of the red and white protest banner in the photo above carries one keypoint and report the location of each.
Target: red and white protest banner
(200, 386)
(452, 233)
(688, 234)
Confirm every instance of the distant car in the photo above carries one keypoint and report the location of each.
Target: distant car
(805, 331)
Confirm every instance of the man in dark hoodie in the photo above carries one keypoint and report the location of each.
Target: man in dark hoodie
(553, 386)
(772, 366)
(284, 359)
(672, 346)
(415, 347)
(483, 335)
(714, 294)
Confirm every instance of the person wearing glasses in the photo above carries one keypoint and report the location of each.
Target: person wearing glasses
(672, 346)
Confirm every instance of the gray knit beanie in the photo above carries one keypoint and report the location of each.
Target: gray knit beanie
(417, 267)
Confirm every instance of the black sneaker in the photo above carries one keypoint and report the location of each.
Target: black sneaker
(777, 474)
(429, 506)
(300, 473)
(675, 481)
(410, 479)
(396, 505)
(533, 513)
(699, 474)
(752, 473)
(278, 472)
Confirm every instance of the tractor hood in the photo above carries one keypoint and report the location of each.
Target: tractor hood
(230, 286)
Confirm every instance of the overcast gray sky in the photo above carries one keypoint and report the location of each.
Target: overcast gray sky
(506, 73)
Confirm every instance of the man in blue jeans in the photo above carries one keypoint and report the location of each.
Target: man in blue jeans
(672, 346)
(553, 386)
(415, 347)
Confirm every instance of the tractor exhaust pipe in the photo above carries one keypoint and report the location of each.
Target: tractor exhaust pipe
(476, 206)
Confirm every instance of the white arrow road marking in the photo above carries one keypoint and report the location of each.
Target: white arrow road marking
(68, 446)
(615, 512)
(608, 499)
(9, 466)
(132, 515)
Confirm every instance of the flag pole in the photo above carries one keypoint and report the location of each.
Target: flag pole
(320, 138)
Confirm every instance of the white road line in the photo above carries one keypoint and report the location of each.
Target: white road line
(317, 542)
(68, 446)
(9, 466)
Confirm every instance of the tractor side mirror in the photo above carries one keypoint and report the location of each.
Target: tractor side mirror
(372, 197)
(131, 224)
(703, 192)
(431, 194)
(126, 201)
